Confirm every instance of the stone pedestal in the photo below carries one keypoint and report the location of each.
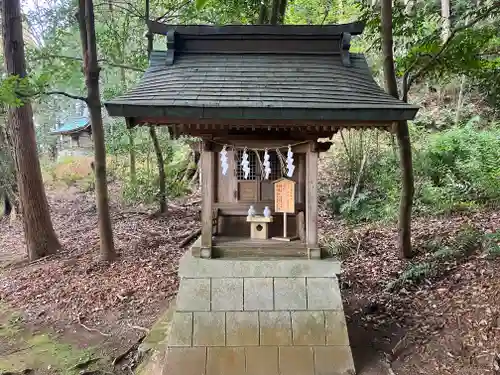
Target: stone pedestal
(259, 227)
(272, 317)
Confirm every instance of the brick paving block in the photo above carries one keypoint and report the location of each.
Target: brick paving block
(227, 294)
(193, 295)
(336, 328)
(290, 294)
(181, 329)
(185, 361)
(225, 361)
(275, 328)
(333, 360)
(262, 360)
(209, 329)
(296, 360)
(242, 328)
(308, 327)
(323, 294)
(258, 294)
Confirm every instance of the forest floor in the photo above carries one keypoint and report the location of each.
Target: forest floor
(60, 314)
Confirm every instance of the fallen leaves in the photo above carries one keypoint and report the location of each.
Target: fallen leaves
(447, 326)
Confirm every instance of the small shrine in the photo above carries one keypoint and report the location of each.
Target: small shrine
(75, 137)
(259, 98)
(255, 297)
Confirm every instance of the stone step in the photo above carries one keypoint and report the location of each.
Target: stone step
(260, 360)
(258, 318)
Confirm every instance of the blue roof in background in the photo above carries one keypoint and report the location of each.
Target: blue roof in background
(72, 125)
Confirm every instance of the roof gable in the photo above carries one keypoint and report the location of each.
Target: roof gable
(261, 39)
(259, 73)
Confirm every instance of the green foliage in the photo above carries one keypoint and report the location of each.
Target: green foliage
(439, 262)
(456, 169)
(492, 244)
(341, 247)
(200, 4)
(145, 187)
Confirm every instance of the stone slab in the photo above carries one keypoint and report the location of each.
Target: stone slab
(296, 360)
(185, 361)
(209, 328)
(225, 361)
(258, 294)
(181, 329)
(275, 328)
(333, 360)
(308, 328)
(193, 295)
(192, 267)
(336, 328)
(290, 293)
(242, 328)
(262, 360)
(227, 294)
(323, 294)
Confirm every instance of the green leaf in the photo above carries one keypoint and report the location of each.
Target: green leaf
(200, 4)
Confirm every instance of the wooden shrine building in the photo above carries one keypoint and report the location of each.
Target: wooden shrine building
(258, 90)
(75, 137)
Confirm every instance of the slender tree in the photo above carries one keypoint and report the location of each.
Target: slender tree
(278, 9)
(160, 160)
(91, 69)
(41, 239)
(402, 133)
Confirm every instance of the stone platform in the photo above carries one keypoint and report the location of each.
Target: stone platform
(258, 317)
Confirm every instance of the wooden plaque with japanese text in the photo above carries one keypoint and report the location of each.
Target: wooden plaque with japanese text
(284, 196)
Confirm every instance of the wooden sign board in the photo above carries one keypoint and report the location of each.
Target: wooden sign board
(284, 196)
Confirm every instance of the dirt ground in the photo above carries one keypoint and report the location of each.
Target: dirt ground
(450, 325)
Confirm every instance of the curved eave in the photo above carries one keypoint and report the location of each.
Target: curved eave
(72, 131)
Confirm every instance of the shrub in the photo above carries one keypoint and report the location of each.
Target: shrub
(492, 244)
(441, 259)
(456, 169)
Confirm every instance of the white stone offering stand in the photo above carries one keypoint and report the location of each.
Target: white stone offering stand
(259, 227)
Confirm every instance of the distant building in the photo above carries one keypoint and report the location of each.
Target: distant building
(75, 137)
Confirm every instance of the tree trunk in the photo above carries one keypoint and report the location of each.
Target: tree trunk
(407, 188)
(162, 194)
(275, 8)
(282, 11)
(263, 18)
(41, 239)
(91, 69)
(446, 20)
(131, 143)
(460, 100)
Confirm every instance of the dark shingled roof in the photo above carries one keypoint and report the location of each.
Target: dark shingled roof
(262, 86)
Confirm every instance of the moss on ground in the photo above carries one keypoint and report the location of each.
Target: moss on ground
(155, 344)
(21, 349)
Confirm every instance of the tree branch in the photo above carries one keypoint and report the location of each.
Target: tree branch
(167, 13)
(444, 47)
(104, 61)
(76, 97)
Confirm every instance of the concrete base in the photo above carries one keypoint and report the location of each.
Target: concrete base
(269, 317)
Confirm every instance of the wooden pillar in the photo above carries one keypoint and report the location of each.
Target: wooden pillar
(207, 194)
(313, 250)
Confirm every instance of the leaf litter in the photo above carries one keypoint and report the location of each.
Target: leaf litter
(448, 325)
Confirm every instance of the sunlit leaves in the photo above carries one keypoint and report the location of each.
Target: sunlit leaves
(200, 4)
